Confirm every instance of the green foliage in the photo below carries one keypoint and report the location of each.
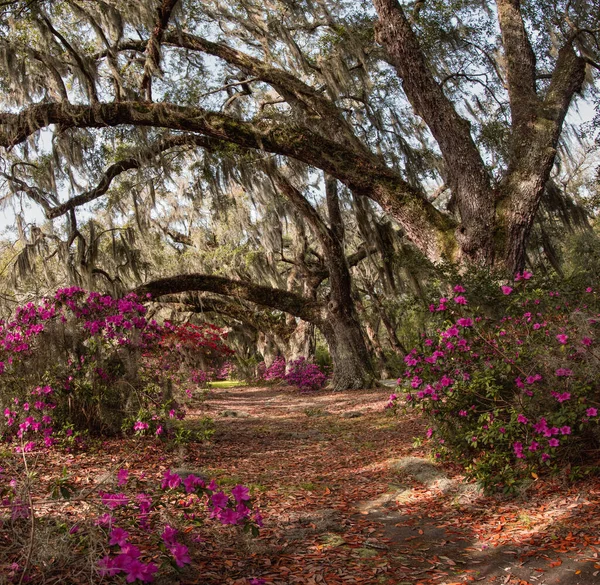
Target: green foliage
(201, 432)
(509, 379)
(323, 358)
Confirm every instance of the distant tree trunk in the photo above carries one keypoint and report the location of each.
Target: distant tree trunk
(352, 367)
(302, 342)
(267, 348)
(373, 339)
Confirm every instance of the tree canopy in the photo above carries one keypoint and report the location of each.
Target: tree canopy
(330, 133)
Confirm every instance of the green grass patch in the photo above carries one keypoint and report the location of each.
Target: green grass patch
(227, 384)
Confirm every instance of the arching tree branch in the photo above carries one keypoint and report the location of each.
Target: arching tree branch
(109, 175)
(319, 109)
(265, 296)
(427, 227)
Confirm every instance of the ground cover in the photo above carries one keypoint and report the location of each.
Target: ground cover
(346, 498)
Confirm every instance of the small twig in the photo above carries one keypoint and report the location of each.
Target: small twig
(224, 87)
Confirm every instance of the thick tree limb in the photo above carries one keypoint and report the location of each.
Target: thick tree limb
(533, 154)
(265, 296)
(319, 109)
(567, 79)
(260, 319)
(520, 62)
(152, 64)
(466, 173)
(423, 224)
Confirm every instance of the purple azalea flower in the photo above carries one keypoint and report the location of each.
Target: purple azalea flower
(169, 534)
(118, 536)
(240, 493)
(122, 476)
(181, 554)
(107, 567)
(219, 500)
(170, 480)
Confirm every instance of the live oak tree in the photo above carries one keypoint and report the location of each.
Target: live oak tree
(447, 115)
(334, 314)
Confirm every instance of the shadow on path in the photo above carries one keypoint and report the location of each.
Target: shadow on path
(347, 499)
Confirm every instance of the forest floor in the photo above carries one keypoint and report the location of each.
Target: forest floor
(347, 499)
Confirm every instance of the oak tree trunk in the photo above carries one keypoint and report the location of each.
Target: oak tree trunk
(352, 369)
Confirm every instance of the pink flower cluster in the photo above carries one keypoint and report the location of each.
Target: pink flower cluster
(228, 510)
(462, 379)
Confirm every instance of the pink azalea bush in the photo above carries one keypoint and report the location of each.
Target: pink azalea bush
(513, 390)
(146, 528)
(300, 373)
(103, 362)
(276, 371)
(135, 557)
(67, 364)
(305, 375)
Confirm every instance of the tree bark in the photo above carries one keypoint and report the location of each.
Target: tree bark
(533, 153)
(348, 353)
(467, 176)
(351, 361)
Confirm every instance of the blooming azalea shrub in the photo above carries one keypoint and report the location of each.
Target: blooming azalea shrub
(66, 364)
(276, 371)
(511, 395)
(299, 373)
(135, 523)
(135, 529)
(305, 375)
(100, 360)
(199, 349)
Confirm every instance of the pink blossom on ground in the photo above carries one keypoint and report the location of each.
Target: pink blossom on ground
(122, 476)
(118, 536)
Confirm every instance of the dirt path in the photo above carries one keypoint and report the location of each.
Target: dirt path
(347, 499)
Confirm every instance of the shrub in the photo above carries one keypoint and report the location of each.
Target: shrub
(305, 375)
(299, 373)
(511, 396)
(276, 371)
(133, 528)
(102, 363)
(88, 362)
